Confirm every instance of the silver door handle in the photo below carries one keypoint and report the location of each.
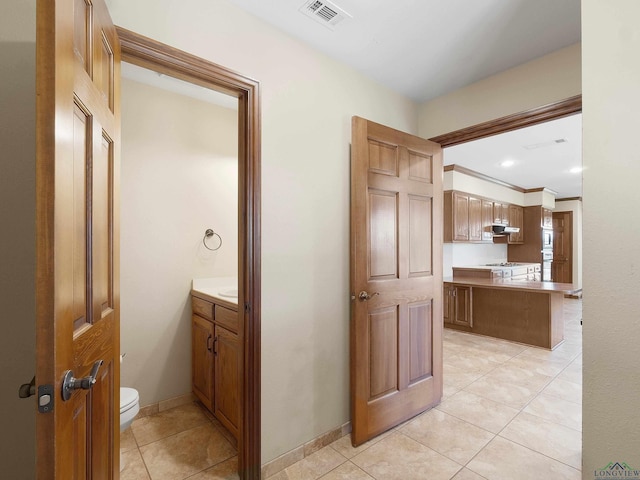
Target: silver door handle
(365, 296)
(70, 383)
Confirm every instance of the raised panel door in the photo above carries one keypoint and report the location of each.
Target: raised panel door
(396, 277)
(227, 378)
(487, 220)
(202, 372)
(460, 217)
(475, 219)
(77, 244)
(516, 220)
(463, 306)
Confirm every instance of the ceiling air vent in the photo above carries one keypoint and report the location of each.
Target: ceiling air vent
(324, 12)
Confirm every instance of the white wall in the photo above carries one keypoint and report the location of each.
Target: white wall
(179, 177)
(470, 254)
(545, 80)
(574, 206)
(466, 183)
(611, 101)
(307, 104)
(17, 242)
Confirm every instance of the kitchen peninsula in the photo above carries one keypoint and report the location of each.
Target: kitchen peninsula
(489, 300)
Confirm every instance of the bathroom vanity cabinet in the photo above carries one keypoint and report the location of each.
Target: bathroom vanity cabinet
(215, 349)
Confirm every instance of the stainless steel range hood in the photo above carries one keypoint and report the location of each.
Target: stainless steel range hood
(503, 230)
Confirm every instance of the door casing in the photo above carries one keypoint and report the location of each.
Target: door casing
(151, 54)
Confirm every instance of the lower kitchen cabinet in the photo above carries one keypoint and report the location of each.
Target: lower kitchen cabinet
(215, 360)
(457, 305)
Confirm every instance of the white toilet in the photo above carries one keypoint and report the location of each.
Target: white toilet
(129, 408)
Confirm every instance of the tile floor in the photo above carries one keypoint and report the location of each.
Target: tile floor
(508, 412)
(184, 442)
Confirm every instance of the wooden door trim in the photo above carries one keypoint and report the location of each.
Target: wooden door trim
(526, 118)
(148, 53)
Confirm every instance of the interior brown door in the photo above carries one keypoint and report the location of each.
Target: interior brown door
(562, 266)
(396, 277)
(77, 293)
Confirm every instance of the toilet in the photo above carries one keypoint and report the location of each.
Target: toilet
(129, 408)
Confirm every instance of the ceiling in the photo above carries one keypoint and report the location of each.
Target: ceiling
(544, 163)
(426, 48)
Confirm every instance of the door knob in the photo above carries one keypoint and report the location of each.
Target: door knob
(365, 296)
(70, 383)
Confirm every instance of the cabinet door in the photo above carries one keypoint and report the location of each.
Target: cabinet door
(475, 219)
(462, 310)
(497, 212)
(487, 220)
(447, 306)
(227, 383)
(516, 220)
(202, 336)
(460, 217)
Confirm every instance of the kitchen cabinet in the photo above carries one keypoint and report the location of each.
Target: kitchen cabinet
(516, 219)
(475, 219)
(215, 350)
(501, 213)
(457, 305)
(487, 220)
(463, 218)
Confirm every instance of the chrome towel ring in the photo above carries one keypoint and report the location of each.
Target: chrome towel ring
(208, 234)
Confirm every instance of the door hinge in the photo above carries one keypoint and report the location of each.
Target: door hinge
(45, 398)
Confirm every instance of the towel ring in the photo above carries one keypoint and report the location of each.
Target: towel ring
(208, 234)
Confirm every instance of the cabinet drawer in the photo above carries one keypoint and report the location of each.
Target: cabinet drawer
(202, 308)
(227, 318)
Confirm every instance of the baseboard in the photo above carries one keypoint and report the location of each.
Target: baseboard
(287, 459)
(163, 405)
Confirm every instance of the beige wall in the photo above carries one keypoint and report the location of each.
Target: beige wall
(179, 177)
(17, 242)
(545, 80)
(611, 101)
(574, 206)
(307, 104)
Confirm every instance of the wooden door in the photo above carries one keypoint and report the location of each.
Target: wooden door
(202, 336)
(396, 261)
(487, 220)
(475, 219)
(77, 290)
(562, 265)
(460, 217)
(227, 379)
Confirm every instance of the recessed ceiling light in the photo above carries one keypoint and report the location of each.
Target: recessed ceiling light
(507, 163)
(575, 170)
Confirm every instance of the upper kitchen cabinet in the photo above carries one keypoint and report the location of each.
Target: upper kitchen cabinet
(501, 213)
(487, 220)
(463, 218)
(516, 219)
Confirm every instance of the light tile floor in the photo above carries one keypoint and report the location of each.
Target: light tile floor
(509, 412)
(184, 442)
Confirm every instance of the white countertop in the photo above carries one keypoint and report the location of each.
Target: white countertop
(213, 286)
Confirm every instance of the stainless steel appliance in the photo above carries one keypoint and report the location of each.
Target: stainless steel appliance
(547, 254)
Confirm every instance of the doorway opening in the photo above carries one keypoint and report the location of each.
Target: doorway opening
(155, 56)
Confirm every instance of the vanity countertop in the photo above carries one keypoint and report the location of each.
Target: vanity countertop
(216, 289)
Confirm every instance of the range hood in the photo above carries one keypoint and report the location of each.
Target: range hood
(503, 229)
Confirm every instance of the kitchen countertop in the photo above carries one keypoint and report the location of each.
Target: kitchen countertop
(515, 284)
(210, 289)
